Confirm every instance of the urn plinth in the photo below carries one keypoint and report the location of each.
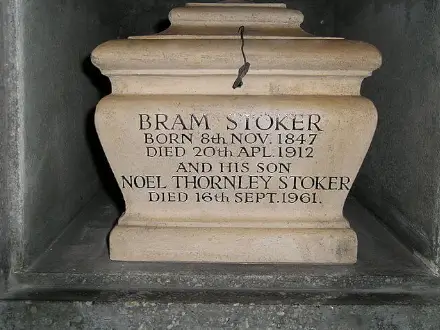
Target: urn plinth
(235, 136)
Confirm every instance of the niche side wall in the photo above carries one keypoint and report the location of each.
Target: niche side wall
(60, 175)
(399, 179)
(10, 128)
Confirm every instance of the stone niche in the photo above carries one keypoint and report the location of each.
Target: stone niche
(61, 200)
(220, 166)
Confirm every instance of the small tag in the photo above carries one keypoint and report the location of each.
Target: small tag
(245, 67)
(241, 73)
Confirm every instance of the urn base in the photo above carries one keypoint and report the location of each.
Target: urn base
(233, 245)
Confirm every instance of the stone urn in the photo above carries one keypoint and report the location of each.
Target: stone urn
(235, 136)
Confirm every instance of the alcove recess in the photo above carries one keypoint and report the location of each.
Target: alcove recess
(61, 199)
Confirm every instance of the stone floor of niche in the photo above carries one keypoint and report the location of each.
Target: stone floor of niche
(77, 265)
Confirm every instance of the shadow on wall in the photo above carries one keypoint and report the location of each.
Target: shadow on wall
(162, 25)
(103, 86)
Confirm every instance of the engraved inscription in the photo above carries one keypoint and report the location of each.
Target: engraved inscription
(234, 159)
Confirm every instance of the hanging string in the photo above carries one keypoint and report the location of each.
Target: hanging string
(243, 70)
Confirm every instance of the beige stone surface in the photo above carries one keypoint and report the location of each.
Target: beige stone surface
(233, 245)
(253, 174)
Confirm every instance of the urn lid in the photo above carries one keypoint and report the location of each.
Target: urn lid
(222, 20)
(217, 39)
